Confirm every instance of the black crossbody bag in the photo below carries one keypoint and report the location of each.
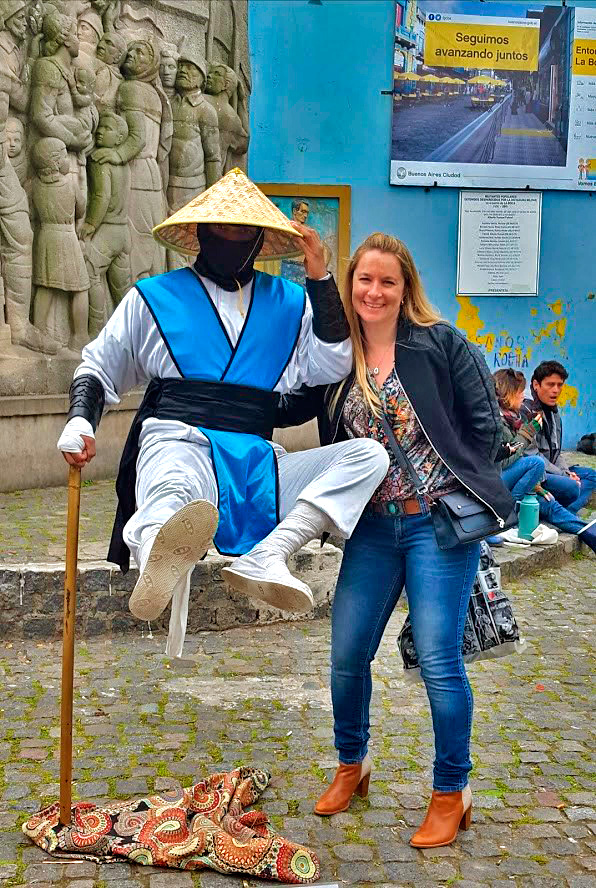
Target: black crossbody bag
(457, 517)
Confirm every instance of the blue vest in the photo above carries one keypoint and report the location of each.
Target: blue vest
(197, 341)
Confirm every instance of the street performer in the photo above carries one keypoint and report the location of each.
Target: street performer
(217, 343)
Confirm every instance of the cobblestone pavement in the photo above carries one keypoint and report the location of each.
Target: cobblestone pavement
(33, 522)
(260, 696)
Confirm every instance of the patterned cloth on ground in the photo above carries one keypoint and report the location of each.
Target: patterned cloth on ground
(204, 826)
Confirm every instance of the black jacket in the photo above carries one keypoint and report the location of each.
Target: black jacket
(452, 393)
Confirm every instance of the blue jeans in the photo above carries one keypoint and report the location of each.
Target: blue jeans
(568, 492)
(523, 476)
(560, 517)
(383, 555)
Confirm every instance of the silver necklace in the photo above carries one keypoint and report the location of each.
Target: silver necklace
(376, 370)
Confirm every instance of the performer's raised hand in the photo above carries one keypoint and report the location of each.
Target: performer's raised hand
(314, 252)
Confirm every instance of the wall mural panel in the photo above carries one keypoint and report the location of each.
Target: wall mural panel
(113, 114)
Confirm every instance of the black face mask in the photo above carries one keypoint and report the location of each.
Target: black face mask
(227, 263)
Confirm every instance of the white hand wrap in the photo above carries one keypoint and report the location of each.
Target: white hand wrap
(70, 440)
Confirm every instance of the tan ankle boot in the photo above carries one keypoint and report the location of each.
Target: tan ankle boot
(349, 779)
(447, 813)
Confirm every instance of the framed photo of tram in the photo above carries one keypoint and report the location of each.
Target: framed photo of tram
(494, 95)
(325, 208)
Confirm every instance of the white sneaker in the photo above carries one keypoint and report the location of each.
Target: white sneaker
(267, 578)
(179, 544)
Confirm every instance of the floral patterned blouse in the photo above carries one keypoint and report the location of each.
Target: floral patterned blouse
(360, 423)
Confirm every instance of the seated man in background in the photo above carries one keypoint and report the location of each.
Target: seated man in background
(572, 486)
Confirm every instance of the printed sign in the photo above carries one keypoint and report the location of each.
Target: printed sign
(499, 243)
(466, 44)
(499, 100)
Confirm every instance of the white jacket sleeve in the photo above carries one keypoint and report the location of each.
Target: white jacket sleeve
(115, 357)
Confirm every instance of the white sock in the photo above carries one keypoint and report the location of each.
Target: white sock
(302, 524)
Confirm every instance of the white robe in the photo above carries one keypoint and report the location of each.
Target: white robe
(130, 351)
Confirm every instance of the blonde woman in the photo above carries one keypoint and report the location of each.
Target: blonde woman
(438, 395)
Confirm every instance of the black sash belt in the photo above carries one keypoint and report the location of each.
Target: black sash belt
(215, 405)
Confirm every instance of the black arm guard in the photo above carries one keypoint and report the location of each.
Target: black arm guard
(87, 399)
(329, 320)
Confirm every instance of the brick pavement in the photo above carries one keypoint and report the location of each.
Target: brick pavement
(260, 695)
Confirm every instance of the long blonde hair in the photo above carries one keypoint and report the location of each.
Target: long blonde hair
(415, 307)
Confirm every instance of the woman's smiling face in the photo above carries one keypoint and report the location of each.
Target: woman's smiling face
(378, 288)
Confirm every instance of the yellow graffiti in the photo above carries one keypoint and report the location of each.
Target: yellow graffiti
(559, 328)
(569, 395)
(556, 307)
(533, 312)
(468, 319)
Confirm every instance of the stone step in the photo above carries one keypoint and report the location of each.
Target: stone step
(31, 595)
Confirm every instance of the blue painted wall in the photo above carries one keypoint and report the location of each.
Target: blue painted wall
(318, 116)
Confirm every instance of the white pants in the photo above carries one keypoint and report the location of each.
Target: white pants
(174, 467)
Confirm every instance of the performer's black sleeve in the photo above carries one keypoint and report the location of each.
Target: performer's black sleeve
(329, 319)
(300, 406)
(87, 399)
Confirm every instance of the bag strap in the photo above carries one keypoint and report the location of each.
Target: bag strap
(402, 457)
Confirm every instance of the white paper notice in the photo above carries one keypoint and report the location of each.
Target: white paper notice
(498, 243)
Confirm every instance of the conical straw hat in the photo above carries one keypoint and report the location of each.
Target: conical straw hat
(234, 200)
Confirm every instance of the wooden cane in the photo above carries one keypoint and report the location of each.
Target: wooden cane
(70, 606)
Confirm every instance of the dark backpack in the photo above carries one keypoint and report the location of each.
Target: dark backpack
(587, 444)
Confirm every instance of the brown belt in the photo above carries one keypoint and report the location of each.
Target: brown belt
(391, 508)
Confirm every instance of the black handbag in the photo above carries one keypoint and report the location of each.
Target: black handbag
(457, 517)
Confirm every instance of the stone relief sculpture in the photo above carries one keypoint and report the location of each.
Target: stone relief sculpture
(52, 109)
(16, 235)
(168, 68)
(222, 87)
(59, 270)
(111, 52)
(112, 113)
(16, 151)
(105, 232)
(148, 114)
(195, 159)
(89, 33)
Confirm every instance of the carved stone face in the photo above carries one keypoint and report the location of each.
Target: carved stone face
(17, 24)
(167, 70)
(85, 80)
(71, 41)
(87, 34)
(109, 51)
(108, 135)
(216, 81)
(14, 137)
(188, 76)
(138, 59)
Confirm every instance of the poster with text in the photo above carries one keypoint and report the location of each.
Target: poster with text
(494, 95)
